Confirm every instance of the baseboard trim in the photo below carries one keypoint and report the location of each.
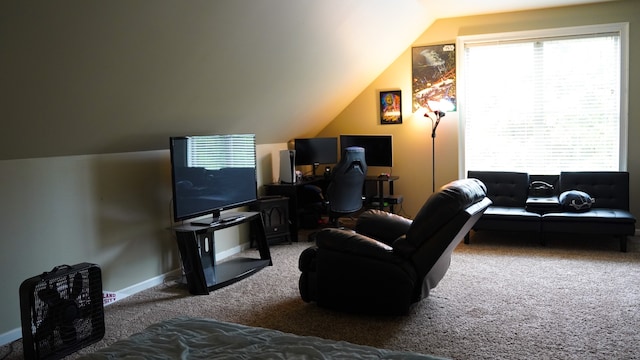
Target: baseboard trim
(144, 285)
(10, 336)
(234, 250)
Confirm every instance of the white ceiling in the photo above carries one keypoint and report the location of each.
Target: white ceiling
(455, 8)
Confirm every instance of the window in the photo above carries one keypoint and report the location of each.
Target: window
(544, 101)
(221, 151)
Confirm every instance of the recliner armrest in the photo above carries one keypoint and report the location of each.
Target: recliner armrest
(382, 226)
(346, 241)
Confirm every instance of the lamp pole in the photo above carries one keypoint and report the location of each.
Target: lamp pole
(434, 125)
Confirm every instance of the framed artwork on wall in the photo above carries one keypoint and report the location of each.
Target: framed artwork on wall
(391, 107)
(434, 77)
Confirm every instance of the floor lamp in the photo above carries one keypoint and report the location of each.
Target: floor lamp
(434, 125)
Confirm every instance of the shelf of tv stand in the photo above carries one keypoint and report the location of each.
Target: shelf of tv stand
(197, 250)
(234, 270)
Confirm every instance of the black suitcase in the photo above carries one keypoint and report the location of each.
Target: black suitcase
(61, 311)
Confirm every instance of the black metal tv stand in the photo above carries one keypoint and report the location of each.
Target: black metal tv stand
(197, 250)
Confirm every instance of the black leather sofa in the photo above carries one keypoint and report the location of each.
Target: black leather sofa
(518, 207)
(390, 262)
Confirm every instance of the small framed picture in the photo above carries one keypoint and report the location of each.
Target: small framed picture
(391, 107)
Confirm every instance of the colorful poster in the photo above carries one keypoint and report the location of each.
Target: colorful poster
(391, 107)
(434, 78)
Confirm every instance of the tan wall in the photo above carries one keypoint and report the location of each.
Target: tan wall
(113, 210)
(412, 140)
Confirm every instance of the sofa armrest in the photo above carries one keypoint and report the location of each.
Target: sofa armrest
(349, 242)
(382, 226)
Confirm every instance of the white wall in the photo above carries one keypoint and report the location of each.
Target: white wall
(112, 210)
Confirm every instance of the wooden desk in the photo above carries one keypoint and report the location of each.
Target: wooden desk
(295, 192)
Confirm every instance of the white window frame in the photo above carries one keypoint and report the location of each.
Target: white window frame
(621, 28)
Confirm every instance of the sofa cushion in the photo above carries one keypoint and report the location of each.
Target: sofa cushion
(507, 218)
(609, 188)
(505, 212)
(504, 188)
(575, 201)
(592, 215)
(594, 221)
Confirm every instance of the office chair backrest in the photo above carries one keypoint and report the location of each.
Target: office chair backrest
(344, 192)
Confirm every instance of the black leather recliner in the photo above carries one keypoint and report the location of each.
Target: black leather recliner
(390, 262)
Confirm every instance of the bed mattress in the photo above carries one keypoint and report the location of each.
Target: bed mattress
(198, 338)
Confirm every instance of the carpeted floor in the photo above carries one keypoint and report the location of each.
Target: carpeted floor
(504, 297)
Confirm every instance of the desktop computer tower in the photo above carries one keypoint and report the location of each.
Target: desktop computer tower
(288, 166)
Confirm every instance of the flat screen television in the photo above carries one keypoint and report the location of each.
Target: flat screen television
(316, 151)
(212, 173)
(378, 149)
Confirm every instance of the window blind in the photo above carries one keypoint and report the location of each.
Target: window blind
(222, 151)
(543, 105)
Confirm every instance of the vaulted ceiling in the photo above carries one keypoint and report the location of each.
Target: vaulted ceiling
(81, 77)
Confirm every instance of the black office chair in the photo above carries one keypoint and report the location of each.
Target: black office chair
(344, 192)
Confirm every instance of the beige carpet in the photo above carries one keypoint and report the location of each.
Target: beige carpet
(504, 297)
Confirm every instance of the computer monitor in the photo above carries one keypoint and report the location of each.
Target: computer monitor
(378, 149)
(316, 151)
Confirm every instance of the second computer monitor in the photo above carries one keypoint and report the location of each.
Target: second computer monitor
(315, 151)
(378, 149)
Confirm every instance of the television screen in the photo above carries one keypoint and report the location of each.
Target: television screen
(211, 173)
(314, 151)
(378, 149)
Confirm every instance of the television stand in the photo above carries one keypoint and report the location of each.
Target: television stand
(197, 251)
(217, 219)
